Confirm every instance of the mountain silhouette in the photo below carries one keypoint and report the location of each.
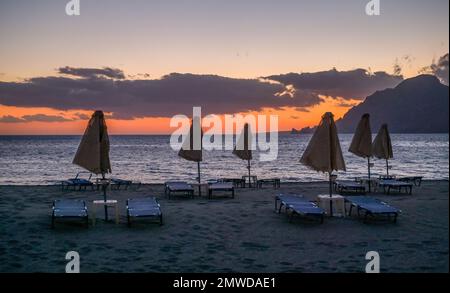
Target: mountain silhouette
(416, 105)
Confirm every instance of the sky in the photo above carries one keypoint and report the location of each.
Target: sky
(143, 61)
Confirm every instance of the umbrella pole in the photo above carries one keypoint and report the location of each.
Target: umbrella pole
(104, 196)
(387, 167)
(249, 178)
(199, 180)
(368, 171)
(331, 194)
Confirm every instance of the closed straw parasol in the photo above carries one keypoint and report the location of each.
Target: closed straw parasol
(362, 142)
(93, 151)
(191, 148)
(323, 152)
(243, 149)
(382, 146)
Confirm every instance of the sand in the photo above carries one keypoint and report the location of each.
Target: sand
(224, 235)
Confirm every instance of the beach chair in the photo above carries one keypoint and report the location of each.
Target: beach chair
(387, 177)
(416, 180)
(297, 205)
(220, 187)
(371, 207)
(397, 185)
(275, 182)
(178, 187)
(349, 186)
(237, 182)
(143, 208)
(119, 183)
(69, 209)
(78, 182)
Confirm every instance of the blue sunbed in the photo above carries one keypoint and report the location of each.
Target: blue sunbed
(298, 205)
(349, 186)
(371, 207)
(388, 185)
(178, 187)
(78, 182)
(121, 182)
(218, 187)
(143, 208)
(69, 209)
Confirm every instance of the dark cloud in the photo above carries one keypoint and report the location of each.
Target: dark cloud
(165, 97)
(439, 69)
(354, 84)
(44, 118)
(33, 118)
(10, 119)
(82, 116)
(93, 72)
(106, 89)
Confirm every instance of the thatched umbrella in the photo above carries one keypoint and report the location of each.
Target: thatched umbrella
(191, 149)
(243, 149)
(323, 152)
(382, 146)
(93, 151)
(362, 142)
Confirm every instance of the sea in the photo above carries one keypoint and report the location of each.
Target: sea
(46, 160)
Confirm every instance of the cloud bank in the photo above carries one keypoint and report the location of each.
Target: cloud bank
(354, 84)
(33, 118)
(108, 89)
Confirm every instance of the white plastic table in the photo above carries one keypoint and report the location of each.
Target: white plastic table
(108, 203)
(338, 202)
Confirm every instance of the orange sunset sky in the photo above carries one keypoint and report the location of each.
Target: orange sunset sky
(241, 40)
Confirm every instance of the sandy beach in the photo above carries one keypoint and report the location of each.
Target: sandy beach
(223, 235)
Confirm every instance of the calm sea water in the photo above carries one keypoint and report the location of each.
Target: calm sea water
(31, 160)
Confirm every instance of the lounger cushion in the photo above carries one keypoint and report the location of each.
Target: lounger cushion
(69, 208)
(143, 207)
(372, 205)
(179, 186)
(306, 209)
(221, 186)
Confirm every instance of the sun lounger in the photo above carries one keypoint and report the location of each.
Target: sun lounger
(69, 209)
(178, 187)
(371, 207)
(237, 182)
(284, 200)
(298, 206)
(275, 182)
(143, 208)
(118, 183)
(416, 180)
(77, 182)
(349, 186)
(389, 185)
(221, 187)
(387, 177)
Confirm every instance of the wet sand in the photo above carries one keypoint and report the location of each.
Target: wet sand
(223, 235)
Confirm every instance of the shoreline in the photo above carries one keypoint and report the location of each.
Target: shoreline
(160, 184)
